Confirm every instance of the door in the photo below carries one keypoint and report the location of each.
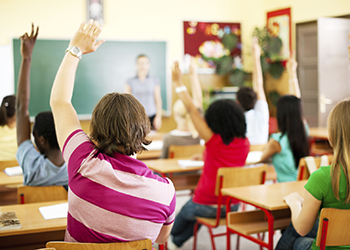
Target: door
(307, 70)
(333, 65)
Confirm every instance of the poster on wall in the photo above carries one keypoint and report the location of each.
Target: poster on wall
(95, 10)
(203, 41)
(279, 25)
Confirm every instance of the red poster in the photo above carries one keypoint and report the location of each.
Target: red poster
(204, 39)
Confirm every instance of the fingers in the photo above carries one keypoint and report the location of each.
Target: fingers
(36, 33)
(81, 28)
(32, 33)
(99, 43)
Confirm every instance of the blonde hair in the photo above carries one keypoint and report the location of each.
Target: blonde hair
(339, 137)
(180, 110)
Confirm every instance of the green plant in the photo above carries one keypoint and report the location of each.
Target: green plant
(271, 47)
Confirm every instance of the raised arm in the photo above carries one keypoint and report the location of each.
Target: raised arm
(66, 119)
(294, 88)
(157, 123)
(23, 86)
(258, 83)
(197, 96)
(200, 124)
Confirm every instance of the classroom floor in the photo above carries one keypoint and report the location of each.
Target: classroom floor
(203, 240)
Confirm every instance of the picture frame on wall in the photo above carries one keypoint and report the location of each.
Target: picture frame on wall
(279, 24)
(94, 10)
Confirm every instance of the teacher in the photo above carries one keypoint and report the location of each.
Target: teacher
(146, 89)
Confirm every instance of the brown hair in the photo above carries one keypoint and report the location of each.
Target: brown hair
(339, 137)
(7, 109)
(119, 124)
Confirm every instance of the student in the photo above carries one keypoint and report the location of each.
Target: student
(291, 143)
(253, 102)
(185, 132)
(146, 89)
(46, 167)
(112, 196)
(223, 131)
(8, 141)
(327, 187)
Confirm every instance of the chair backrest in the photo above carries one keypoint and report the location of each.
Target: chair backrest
(240, 176)
(6, 164)
(185, 151)
(131, 245)
(28, 194)
(303, 172)
(334, 228)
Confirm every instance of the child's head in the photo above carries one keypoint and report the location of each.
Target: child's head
(44, 132)
(288, 112)
(226, 118)
(339, 138)
(7, 109)
(247, 98)
(119, 124)
(182, 117)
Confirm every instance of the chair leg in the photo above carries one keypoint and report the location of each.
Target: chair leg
(195, 235)
(237, 243)
(212, 238)
(228, 240)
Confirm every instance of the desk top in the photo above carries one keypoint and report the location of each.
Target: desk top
(31, 219)
(269, 197)
(167, 166)
(317, 132)
(6, 180)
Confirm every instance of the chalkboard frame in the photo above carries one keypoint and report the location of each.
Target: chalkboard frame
(40, 102)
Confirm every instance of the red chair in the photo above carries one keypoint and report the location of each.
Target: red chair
(226, 178)
(334, 228)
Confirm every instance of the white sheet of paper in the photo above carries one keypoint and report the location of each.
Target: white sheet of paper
(253, 157)
(54, 211)
(190, 163)
(12, 171)
(155, 145)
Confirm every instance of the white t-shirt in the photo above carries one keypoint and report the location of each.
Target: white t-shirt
(257, 120)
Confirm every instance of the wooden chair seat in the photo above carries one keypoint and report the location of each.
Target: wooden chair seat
(131, 245)
(252, 222)
(211, 222)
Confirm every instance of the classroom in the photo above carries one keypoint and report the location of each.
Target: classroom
(143, 24)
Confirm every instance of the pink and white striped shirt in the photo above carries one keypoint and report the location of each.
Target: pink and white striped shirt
(113, 199)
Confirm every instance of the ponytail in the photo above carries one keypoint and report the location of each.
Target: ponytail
(7, 109)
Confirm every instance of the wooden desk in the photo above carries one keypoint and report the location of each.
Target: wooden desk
(35, 231)
(268, 198)
(318, 133)
(8, 188)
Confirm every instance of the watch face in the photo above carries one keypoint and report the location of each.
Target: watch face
(75, 50)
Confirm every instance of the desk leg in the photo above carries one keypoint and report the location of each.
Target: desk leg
(270, 219)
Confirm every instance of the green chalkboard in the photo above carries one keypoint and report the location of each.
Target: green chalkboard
(101, 72)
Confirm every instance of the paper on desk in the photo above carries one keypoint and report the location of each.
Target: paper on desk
(155, 145)
(13, 171)
(190, 163)
(54, 211)
(253, 157)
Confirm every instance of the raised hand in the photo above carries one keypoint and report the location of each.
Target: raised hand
(193, 66)
(86, 36)
(256, 50)
(177, 75)
(28, 42)
(292, 64)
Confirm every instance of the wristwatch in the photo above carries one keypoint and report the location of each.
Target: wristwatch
(75, 51)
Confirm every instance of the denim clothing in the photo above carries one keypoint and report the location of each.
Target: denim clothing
(291, 240)
(186, 219)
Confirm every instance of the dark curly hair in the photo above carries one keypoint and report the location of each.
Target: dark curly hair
(45, 126)
(290, 122)
(226, 118)
(119, 124)
(247, 98)
(7, 109)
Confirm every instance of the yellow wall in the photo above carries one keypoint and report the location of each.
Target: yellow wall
(156, 19)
